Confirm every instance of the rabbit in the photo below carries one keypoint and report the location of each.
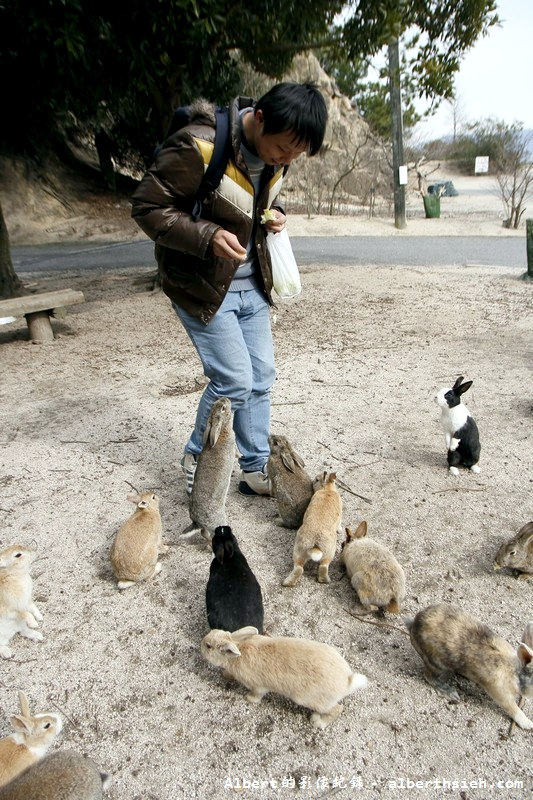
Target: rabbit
(311, 674)
(18, 612)
(375, 574)
(460, 430)
(518, 553)
(138, 542)
(451, 641)
(207, 503)
(34, 734)
(64, 775)
(233, 595)
(291, 485)
(316, 538)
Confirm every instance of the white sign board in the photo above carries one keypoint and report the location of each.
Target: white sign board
(482, 164)
(402, 175)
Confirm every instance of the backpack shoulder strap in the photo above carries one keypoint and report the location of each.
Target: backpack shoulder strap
(218, 162)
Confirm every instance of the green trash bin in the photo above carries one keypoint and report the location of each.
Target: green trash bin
(431, 205)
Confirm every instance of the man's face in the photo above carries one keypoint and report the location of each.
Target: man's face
(276, 148)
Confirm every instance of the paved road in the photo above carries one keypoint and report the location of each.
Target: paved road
(422, 251)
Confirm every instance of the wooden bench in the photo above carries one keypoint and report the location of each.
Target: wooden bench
(38, 308)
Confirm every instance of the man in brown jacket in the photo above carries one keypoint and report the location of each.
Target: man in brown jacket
(216, 268)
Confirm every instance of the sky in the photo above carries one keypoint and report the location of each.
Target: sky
(496, 76)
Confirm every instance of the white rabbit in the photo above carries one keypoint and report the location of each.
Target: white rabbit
(311, 674)
(34, 734)
(64, 775)
(460, 430)
(18, 612)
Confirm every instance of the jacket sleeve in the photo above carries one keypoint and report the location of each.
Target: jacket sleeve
(161, 202)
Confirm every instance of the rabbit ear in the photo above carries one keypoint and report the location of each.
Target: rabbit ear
(133, 498)
(464, 387)
(244, 633)
(142, 504)
(230, 647)
(527, 636)
(458, 382)
(287, 460)
(24, 704)
(525, 653)
(219, 552)
(228, 547)
(21, 724)
(212, 431)
(361, 530)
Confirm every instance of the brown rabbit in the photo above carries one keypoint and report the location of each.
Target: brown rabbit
(207, 503)
(64, 775)
(316, 538)
(451, 641)
(138, 542)
(291, 485)
(34, 734)
(518, 553)
(375, 574)
(18, 612)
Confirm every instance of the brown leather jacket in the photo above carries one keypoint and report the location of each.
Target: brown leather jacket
(191, 275)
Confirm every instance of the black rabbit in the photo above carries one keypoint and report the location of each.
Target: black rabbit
(233, 596)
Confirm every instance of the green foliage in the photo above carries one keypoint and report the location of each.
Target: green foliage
(441, 32)
(126, 66)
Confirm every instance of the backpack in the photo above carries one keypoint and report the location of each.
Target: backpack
(221, 152)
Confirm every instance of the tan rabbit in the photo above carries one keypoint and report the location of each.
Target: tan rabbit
(138, 542)
(18, 612)
(291, 485)
(64, 775)
(518, 553)
(451, 641)
(375, 574)
(311, 674)
(207, 503)
(316, 538)
(34, 734)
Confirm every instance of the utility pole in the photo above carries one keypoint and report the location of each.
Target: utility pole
(400, 176)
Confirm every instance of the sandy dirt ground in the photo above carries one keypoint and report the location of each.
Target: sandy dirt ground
(360, 356)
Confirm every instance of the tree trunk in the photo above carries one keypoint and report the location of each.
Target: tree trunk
(10, 284)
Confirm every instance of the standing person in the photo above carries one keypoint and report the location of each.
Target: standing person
(215, 268)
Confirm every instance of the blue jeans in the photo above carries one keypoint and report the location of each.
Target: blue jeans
(237, 354)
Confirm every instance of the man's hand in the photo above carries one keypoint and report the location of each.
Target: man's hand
(278, 223)
(226, 245)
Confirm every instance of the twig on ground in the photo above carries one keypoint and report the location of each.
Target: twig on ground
(347, 489)
(361, 618)
(458, 489)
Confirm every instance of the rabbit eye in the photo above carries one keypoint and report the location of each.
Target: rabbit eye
(47, 725)
(209, 646)
(18, 555)
(512, 552)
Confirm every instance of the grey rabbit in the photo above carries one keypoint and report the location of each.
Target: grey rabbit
(233, 596)
(451, 641)
(291, 485)
(517, 553)
(207, 503)
(64, 775)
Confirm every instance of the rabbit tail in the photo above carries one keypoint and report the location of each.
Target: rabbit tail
(393, 607)
(315, 553)
(357, 681)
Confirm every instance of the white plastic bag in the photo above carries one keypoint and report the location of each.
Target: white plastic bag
(285, 275)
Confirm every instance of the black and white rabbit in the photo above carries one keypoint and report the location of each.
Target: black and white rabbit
(233, 596)
(460, 430)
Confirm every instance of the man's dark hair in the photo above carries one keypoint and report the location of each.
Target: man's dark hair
(297, 107)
